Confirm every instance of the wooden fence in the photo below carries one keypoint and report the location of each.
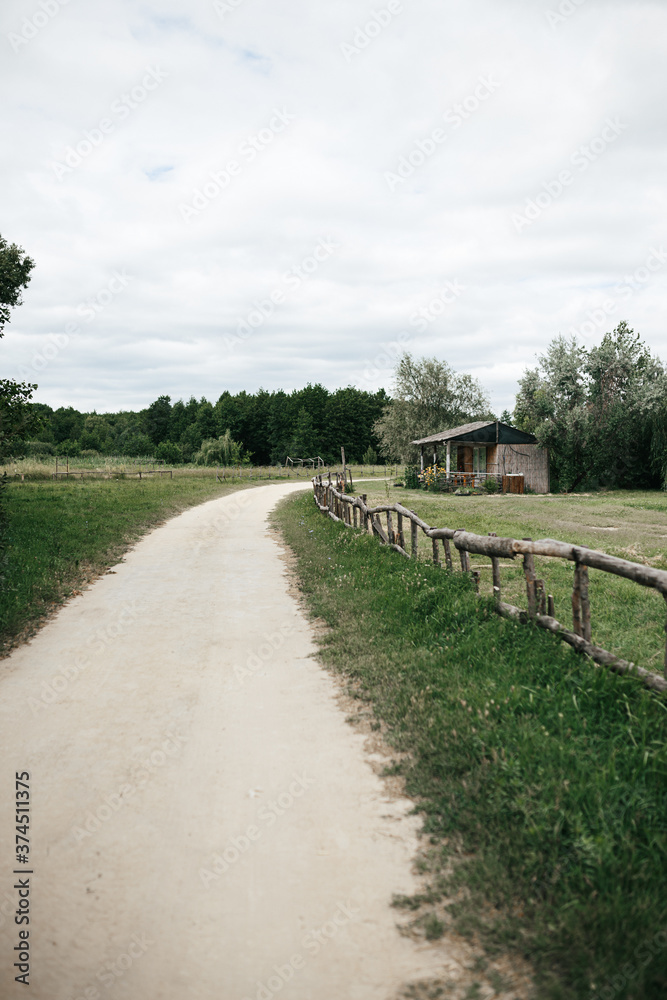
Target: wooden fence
(354, 513)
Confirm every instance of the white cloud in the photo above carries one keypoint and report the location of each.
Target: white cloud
(223, 75)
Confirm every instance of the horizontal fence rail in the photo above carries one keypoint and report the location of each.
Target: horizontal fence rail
(355, 513)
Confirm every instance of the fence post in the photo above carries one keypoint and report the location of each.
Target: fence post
(529, 570)
(401, 539)
(576, 602)
(436, 552)
(448, 553)
(390, 529)
(495, 569)
(414, 539)
(464, 557)
(581, 608)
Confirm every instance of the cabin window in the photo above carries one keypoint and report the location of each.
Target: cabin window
(479, 460)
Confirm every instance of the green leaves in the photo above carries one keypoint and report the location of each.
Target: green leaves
(601, 412)
(15, 268)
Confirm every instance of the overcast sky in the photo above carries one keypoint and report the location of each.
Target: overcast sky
(245, 193)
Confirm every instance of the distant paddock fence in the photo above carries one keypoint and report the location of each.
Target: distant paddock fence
(353, 512)
(92, 472)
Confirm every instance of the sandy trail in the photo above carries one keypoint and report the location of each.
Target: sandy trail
(205, 824)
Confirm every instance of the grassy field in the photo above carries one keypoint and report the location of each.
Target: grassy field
(542, 780)
(58, 536)
(121, 465)
(627, 619)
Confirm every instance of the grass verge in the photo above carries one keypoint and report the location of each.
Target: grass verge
(626, 619)
(56, 537)
(541, 779)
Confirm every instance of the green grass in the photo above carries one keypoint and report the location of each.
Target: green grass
(542, 779)
(59, 536)
(43, 467)
(626, 619)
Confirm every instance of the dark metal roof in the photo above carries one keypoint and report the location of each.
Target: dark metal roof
(481, 432)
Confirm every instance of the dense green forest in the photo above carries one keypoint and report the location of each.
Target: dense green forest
(262, 428)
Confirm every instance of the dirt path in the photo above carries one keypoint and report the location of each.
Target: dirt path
(205, 824)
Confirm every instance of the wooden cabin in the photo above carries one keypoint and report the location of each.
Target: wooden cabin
(475, 451)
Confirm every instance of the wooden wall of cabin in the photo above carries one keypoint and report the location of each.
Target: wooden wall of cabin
(528, 459)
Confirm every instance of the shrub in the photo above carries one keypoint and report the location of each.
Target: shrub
(69, 448)
(169, 452)
(137, 445)
(491, 485)
(412, 481)
(34, 449)
(370, 456)
(223, 451)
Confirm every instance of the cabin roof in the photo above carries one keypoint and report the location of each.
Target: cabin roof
(481, 432)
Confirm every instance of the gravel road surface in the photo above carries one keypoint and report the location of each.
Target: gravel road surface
(205, 825)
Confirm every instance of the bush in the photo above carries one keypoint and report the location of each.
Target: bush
(137, 445)
(68, 448)
(90, 442)
(223, 451)
(169, 452)
(412, 481)
(35, 449)
(370, 456)
(491, 485)
(88, 453)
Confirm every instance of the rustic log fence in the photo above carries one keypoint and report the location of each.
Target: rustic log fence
(355, 513)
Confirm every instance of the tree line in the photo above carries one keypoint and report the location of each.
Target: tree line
(263, 428)
(601, 411)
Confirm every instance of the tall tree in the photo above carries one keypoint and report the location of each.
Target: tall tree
(15, 268)
(429, 397)
(157, 419)
(599, 411)
(304, 443)
(16, 417)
